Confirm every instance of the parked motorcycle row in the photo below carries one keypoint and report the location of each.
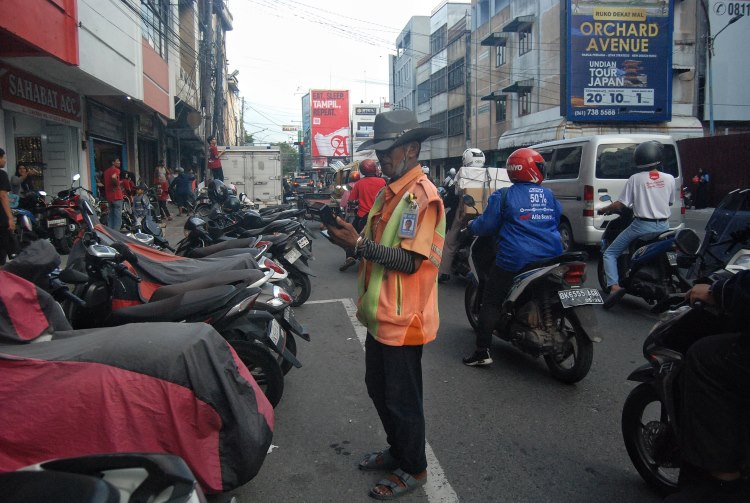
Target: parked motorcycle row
(238, 270)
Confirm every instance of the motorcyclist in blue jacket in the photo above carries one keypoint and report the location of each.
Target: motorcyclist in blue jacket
(525, 218)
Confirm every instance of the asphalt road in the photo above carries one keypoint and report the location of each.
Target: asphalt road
(506, 433)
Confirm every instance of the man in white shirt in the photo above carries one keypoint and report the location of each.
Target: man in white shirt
(650, 193)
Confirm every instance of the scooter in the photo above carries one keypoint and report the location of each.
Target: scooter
(547, 312)
(649, 268)
(650, 418)
(63, 218)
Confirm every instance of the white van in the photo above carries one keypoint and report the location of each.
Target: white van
(581, 170)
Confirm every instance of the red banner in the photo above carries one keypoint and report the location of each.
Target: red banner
(38, 97)
(329, 112)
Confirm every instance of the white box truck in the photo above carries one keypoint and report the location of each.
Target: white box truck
(255, 171)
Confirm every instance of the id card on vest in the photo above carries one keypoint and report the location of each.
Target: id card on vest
(408, 226)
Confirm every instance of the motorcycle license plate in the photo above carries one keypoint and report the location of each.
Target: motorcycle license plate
(672, 257)
(275, 332)
(303, 241)
(292, 255)
(580, 297)
(57, 222)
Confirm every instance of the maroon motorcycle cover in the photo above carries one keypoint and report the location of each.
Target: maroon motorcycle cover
(154, 387)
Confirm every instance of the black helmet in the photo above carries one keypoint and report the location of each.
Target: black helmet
(217, 191)
(231, 205)
(648, 155)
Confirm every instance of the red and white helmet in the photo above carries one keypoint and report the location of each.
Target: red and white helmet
(525, 165)
(368, 167)
(354, 177)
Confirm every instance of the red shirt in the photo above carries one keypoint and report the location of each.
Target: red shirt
(163, 190)
(365, 191)
(213, 157)
(112, 189)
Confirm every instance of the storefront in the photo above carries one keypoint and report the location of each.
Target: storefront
(106, 138)
(148, 147)
(42, 128)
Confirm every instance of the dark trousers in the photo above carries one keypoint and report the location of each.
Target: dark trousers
(163, 209)
(7, 243)
(496, 288)
(217, 173)
(716, 394)
(393, 375)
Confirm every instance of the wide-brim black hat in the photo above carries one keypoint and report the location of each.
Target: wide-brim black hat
(395, 128)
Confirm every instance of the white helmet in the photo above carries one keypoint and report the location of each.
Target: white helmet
(473, 157)
(426, 170)
(452, 172)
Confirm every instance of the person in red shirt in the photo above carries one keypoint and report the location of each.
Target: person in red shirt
(214, 160)
(113, 193)
(162, 193)
(365, 192)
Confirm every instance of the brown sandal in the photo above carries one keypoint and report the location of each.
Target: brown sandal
(380, 460)
(397, 490)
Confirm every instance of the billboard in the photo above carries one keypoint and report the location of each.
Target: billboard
(363, 120)
(619, 60)
(306, 121)
(329, 115)
(730, 71)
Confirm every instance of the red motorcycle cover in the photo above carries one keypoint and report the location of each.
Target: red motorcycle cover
(157, 387)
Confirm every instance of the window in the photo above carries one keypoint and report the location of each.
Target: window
(154, 22)
(616, 161)
(455, 121)
(500, 107)
(423, 92)
(437, 82)
(566, 164)
(438, 121)
(437, 39)
(499, 55)
(456, 74)
(524, 41)
(524, 104)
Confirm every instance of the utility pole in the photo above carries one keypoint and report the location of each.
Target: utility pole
(206, 65)
(219, 90)
(242, 123)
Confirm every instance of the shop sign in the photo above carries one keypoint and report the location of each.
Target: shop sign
(365, 111)
(619, 64)
(105, 122)
(147, 125)
(28, 94)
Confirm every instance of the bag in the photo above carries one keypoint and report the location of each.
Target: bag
(696, 180)
(13, 198)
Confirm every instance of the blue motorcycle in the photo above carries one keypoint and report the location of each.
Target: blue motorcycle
(649, 267)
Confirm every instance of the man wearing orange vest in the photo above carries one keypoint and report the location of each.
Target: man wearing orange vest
(398, 301)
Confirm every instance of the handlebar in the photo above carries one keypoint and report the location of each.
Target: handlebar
(122, 270)
(61, 289)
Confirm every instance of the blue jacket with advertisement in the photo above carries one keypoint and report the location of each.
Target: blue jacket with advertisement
(524, 217)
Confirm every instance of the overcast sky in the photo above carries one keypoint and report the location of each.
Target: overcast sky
(284, 48)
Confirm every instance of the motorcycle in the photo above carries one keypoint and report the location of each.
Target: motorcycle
(547, 312)
(649, 269)
(63, 218)
(117, 477)
(650, 416)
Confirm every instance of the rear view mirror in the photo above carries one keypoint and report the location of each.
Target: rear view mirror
(687, 241)
(76, 177)
(469, 200)
(87, 212)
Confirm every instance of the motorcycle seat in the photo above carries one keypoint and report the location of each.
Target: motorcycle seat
(177, 308)
(248, 276)
(576, 256)
(646, 239)
(223, 245)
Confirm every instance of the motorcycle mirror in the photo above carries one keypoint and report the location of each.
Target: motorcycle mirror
(76, 177)
(42, 193)
(86, 212)
(605, 198)
(469, 200)
(125, 252)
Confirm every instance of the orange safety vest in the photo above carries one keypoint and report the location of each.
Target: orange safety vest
(401, 309)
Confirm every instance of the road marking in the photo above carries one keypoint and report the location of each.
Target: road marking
(437, 488)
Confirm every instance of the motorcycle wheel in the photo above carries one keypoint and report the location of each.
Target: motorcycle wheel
(302, 286)
(263, 367)
(577, 365)
(645, 433)
(291, 345)
(65, 243)
(566, 236)
(472, 313)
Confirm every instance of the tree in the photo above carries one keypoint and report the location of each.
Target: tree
(249, 140)
(289, 158)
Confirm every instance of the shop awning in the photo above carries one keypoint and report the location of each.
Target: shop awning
(680, 127)
(495, 39)
(519, 23)
(493, 97)
(520, 86)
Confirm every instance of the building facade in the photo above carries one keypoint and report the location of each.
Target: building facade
(412, 44)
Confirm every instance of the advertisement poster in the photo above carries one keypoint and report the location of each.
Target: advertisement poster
(730, 72)
(363, 120)
(329, 111)
(619, 60)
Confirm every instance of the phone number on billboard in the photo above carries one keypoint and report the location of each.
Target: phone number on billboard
(629, 97)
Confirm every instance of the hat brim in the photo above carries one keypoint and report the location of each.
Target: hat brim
(416, 134)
